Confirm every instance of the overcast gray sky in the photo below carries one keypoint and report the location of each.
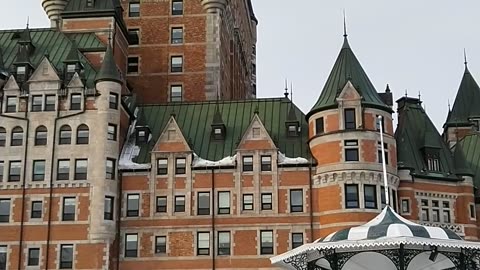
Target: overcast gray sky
(414, 45)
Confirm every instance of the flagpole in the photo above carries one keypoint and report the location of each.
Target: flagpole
(384, 163)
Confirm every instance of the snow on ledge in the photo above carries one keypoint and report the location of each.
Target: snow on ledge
(200, 162)
(284, 160)
(130, 151)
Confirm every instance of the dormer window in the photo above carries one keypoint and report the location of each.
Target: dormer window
(142, 134)
(218, 132)
(350, 122)
(71, 68)
(90, 3)
(21, 70)
(433, 164)
(292, 129)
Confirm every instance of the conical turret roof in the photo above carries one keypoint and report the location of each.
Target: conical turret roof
(109, 70)
(72, 56)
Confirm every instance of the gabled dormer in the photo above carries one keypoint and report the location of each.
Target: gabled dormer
(142, 130)
(22, 64)
(219, 131)
(72, 63)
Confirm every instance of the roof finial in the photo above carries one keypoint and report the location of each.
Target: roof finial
(465, 56)
(291, 91)
(344, 24)
(406, 93)
(449, 108)
(28, 21)
(286, 88)
(419, 96)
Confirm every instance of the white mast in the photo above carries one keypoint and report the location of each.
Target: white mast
(384, 163)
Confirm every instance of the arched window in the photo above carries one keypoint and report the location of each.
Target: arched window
(17, 136)
(3, 136)
(41, 135)
(82, 134)
(65, 135)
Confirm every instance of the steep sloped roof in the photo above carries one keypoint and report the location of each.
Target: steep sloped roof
(108, 71)
(471, 149)
(415, 133)
(80, 7)
(195, 119)
(348, 68)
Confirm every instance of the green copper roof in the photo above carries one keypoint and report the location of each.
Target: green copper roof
(109, 70)
(416, 134)
(462, 167)
(471, 149)
(466, 103)
(53, 43)
(348, 68)
(80, 6)
(194, 120)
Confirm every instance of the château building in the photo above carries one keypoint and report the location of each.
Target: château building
(104, 166)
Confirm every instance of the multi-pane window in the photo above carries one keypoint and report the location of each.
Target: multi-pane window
(38, 170)
(14, 171)
(177, 35)
(112, 132)
(179, 204)
(3, 136)
(63, 169)
(11, 104)
(41, 135)
(4, 210)
(161, 204)
(113, 101)
(266, 242)
(383, 199)
(68, 212)
(161, 245)
(297, 240)
(81, 168)
(82, 134)
(203, 243)
(266, 201)
(350, 122)
(17, 136)
(65, 135)
(134, 36)
(36, 211)
(296, 200)
(425, 211)
(3, 257)
(176, 64)
(110, 168)
(223, 202)
(370, 194)
(319, 126)
(247, 163)
(180, 165)
(380, 157)
(33, 257)
(177, 7)
(132, 64)
(134, 9)
(266, 163)
(133, 205)
(176, 93)
(2, 167)
(75, 102)
(405, 206)
(248, 202)
(351, 150)
(66, 256)
(446, 212)
(162, 166)
(131, 245)
(37, 103)
(203, 203)
(351, 196)
(50, 103)
(224, 243)
(108, 207)
(380, 121)
(435, 211)
(433, 163)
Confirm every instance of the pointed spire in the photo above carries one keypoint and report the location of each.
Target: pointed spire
(72, 56)
(345, 35)
(109, 70)
(387, 90)
(286, 88)
(292, 116)
(465, 60)
(25, 36)
(217, 117)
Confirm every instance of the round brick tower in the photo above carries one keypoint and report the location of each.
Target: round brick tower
(344, 131)
(54, 8)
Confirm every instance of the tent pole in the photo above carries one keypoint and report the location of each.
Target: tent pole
(402, 257)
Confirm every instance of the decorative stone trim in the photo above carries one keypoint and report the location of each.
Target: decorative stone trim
(213, 6)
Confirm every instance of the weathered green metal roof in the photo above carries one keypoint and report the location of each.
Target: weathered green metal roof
(348, 68)
(415, 133)
(108, 71)
(53, 43)
(462, 167)
(471, 149)
(466, 103)
(194, 119)
(80, 6)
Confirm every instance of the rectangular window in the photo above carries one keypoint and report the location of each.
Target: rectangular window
(113, 101)
(472, 211)
(63, 169)
(3, 257)
(134, 10)
(351, 196)
(14, 171)
(203, 203)
(3, 137)
(112, 132)
(133, 36)
(133, 205)
(266, 242)
(4, 210)
(11, 104)
(66, 256)
(33, 257)
(383, 201)
(203, 243)
(162, 166)
(180, 165)
(248, 202)
(81, 168)
(224, 202)
(161, 204)
(350, 122)
(179, 204)
(379, 121)
(131, 245)
(110, 168)
(160, 245)
(50, 101)
(177, 7)
(2, 167)
(370, 193)
(296, 200)
(425, 211)
(37, 103)
(297, 240)
(247, 165)
(132, 65)
(68, 212)
(176, 93)
(38, 170)
(319, 126)
(108, 207)
(266, 165)
(380, 157)
(433, 164)
(176, 64)
(266, 201)
(446, 212)
(177, 35)
(435, 215)
(224, 243)
(394, 199)
(17, 137)
(351, 150)
(405, 206)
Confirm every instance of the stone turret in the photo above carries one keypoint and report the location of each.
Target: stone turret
(54, 9)
(213, 6)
